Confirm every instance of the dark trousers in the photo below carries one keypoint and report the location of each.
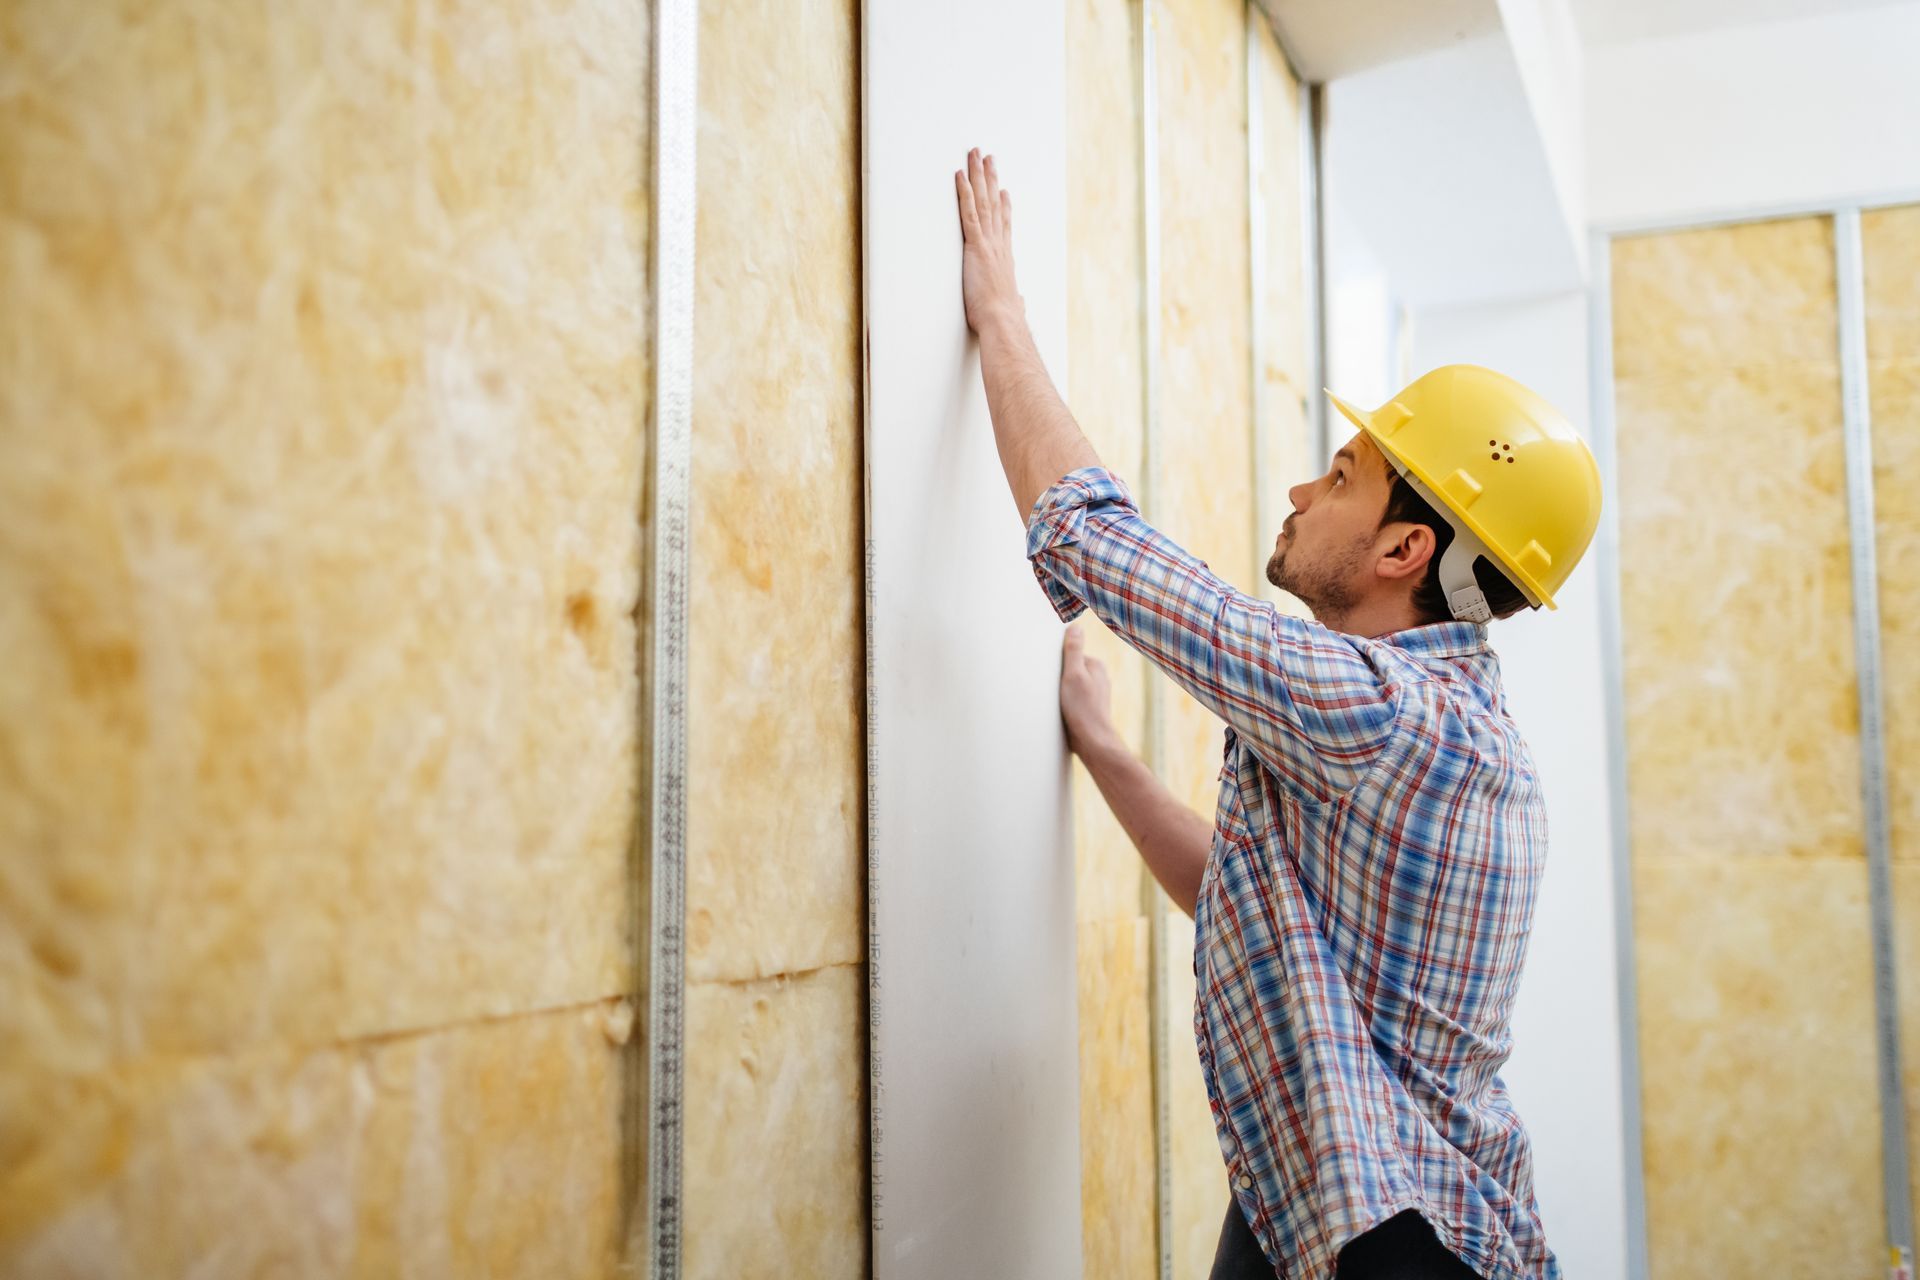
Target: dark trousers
(1401, 1248)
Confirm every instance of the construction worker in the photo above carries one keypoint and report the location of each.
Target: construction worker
(1362, 897)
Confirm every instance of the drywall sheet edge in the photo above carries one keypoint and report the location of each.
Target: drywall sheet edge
(975, 1140)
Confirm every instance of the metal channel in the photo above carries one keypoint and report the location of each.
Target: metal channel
(675, 89)
(1730, 217)
(1152, 900)
(1256, 289)
(873, 996)
(1314, 207)
(1607, 546)
(1849, 274)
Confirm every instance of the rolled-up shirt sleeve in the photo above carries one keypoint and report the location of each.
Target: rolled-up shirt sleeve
(1306, 699)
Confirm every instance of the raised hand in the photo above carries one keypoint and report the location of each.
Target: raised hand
(986, 227)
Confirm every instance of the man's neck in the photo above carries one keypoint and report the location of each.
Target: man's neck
(1373, 618)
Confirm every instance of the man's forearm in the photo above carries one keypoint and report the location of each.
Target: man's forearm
(1173, 839)
(1038, 439)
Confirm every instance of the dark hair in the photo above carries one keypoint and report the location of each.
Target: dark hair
(1429, 599)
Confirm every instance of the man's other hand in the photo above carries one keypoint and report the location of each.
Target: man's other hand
(1086, 698)
(986, 226)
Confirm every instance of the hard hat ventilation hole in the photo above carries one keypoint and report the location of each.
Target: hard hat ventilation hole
(1506, 448)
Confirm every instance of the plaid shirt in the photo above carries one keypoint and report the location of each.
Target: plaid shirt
(1364, 911)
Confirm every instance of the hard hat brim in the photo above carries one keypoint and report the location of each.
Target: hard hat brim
(1351, 414)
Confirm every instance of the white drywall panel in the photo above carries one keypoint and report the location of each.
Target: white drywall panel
(973, 1029)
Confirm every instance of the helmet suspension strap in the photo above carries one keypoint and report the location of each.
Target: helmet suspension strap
(1464, 597)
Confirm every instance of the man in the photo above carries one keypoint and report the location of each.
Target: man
(1362, 898)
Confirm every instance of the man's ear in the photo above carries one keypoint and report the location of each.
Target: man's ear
(1409, 555)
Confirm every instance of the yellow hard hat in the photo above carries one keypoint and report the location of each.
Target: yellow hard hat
(1503, 467)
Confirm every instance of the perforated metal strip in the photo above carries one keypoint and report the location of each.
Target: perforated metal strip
(675, 88)
(1849, 275)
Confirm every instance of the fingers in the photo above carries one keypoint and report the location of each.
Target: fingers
(982, 199)
(982, 203)
(969, 215)
(976, 179)
(1076, 641)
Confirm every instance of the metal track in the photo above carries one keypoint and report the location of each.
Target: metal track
(675, 77)
(1256, 290)
(1849, 276)
(875, 1006)
(1607, 548)
(1152, 900)
(1313, 200)
(1757, 213)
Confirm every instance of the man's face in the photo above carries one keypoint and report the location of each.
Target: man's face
(1325, 553)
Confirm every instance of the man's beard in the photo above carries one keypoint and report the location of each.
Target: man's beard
(1326, 587)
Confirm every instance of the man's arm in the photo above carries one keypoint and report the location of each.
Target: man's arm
(1035, 432)
(1037, 437)
(1039, 442)
(1173, 839)
(1309, 702)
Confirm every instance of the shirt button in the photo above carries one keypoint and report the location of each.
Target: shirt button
(1246, 1183)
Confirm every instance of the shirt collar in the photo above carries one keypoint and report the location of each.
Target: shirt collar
(1455, 639)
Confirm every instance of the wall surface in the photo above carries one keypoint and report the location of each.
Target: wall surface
(1761, 1127)
(1745, 117)
(326, 384)
(325, 396)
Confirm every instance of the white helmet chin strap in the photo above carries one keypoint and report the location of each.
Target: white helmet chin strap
(1464, 597)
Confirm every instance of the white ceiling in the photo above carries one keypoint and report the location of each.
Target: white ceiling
(1436, 166)
(1328, 38)
(1616, 21)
